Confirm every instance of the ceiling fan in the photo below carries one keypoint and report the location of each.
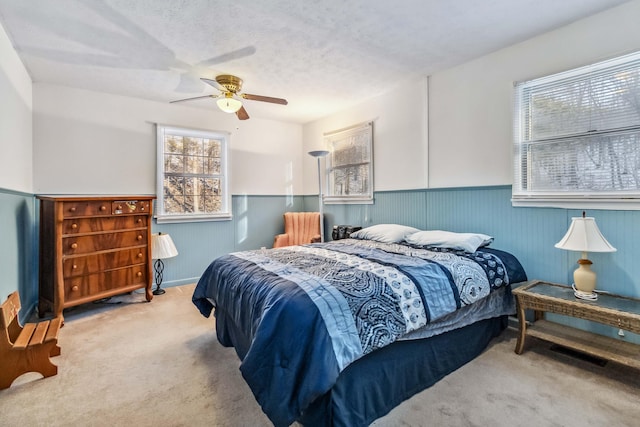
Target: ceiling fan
(230, 96)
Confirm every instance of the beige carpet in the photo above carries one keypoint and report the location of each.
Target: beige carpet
(128, 362)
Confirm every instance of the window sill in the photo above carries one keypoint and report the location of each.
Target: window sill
(348, 201)
(630, 204)
(168, 219)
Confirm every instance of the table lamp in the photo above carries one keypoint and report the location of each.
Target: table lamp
(584, 236)
(161, 247)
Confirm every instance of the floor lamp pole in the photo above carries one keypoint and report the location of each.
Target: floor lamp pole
(320, 204)
(317, 155)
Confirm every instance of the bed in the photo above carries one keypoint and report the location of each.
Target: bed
(339, 333)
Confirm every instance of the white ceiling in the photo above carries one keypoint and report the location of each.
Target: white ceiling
(322, 55)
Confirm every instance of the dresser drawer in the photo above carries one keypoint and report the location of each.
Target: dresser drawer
(89, 264)
(75, 245)
(86, 208)
(89, 225)
(93, 285)
(128, 207)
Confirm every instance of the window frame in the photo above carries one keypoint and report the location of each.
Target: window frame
(522, 195)
(226, 213)
(363, 132)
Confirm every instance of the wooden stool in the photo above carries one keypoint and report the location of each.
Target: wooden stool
(25, 349)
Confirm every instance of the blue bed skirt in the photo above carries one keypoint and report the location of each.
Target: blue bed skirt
(372, 386)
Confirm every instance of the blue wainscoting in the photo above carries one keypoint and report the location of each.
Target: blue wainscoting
(18, 249)
(528, 233)
(256, 221)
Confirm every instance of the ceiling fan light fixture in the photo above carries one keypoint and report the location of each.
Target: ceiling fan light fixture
(229, 103)
(230, 99)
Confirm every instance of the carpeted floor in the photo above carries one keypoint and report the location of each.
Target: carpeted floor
(128, 362)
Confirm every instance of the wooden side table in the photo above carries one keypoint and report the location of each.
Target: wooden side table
(612, 310)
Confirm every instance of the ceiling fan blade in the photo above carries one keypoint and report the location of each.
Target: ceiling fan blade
(264, 99)
(195, 97)
(189, 83)
(242, 114)
(214, 83)
(229, 56)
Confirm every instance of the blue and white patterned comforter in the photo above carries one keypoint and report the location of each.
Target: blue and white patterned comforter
(297, 316)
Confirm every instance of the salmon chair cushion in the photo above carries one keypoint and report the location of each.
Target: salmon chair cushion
(299, 228)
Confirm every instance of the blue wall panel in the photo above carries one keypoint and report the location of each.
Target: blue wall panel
(18, 248)
(398, 207)
(528, 233)
(517, 230)
(256, 221)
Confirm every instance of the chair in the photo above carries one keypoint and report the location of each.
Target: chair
(299, 228)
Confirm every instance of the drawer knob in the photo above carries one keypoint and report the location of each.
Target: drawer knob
(140, 255)
(139, 220)
(72, 209)
(74, 225)
(103, 208)
(139, 274)
(74, 246)
(74, 288)
(74, 266)
(139, 237)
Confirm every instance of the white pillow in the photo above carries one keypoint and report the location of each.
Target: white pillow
(468, 242)
(385, 233)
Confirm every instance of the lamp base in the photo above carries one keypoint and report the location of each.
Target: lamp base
(589, 296)
(159, 268)
(585, 281)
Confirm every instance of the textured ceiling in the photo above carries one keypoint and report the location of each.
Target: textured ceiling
(322, 56)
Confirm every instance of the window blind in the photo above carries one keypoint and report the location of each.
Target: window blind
(350, 172)
(577, 133)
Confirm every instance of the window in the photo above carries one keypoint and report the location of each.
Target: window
(577, 137)
(193, 182)
(350, 165)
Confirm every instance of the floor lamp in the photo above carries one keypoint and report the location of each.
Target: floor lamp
(318, 154)
(161, 247)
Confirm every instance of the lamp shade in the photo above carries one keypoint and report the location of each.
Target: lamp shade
(584, 236)
(229, 104)
(162, 246)
(318, 153)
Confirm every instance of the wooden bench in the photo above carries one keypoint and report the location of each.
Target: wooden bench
(25, 349)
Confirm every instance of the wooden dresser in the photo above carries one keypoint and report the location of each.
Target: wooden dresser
(92, 248)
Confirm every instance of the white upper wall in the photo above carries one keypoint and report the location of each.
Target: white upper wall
(93, 143)
(399, 137)
(16, 172)
(470, 106)
(467, 140)
(89, 142)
